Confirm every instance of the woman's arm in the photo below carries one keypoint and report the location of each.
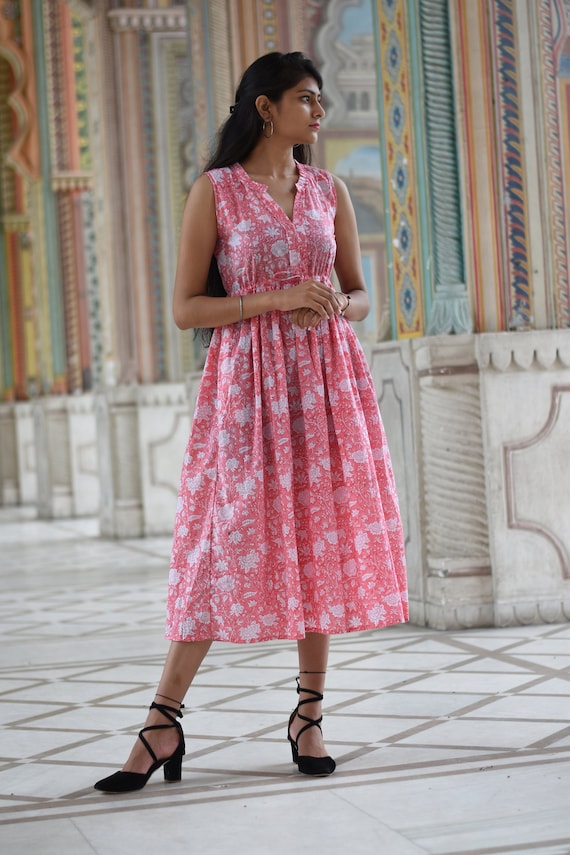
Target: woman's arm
(348, 263)
(193, 308)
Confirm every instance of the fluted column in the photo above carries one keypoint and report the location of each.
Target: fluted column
(450, 311)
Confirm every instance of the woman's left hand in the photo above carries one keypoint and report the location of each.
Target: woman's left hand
(305, 318)
(308, 318)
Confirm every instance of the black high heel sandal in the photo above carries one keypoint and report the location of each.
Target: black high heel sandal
(318, 766)
(128, 782)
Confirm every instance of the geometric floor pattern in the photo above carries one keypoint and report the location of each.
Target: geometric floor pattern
(450, 743)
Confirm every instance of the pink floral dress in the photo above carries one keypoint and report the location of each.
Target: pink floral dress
(287, 518)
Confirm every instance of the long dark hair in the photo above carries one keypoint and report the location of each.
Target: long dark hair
(270, 75)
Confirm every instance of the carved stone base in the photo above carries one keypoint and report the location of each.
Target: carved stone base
(142, 434)
(119, 463)
(9, 481)
(26, 453)
(66, 460)
(478, 430)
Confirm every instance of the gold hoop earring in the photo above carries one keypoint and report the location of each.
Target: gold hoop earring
(266, 124)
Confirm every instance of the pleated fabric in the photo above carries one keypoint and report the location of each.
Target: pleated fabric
(287, 519)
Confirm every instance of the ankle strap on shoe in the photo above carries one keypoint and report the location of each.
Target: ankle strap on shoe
(317, 696)
(165, 710)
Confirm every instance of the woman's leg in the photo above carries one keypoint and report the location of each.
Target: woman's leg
(313, 659)
(182, 662)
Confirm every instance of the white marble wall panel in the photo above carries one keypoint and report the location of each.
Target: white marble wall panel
(53, 456)
(488, 448)
(9, 481)
(458, 564)
(26, 453)
(526, 404)
(65, 455)
(434, 430)
(18, 472)
(83, 455)
(142, 433)
(163, 428)
(393, 379)
(121, 513)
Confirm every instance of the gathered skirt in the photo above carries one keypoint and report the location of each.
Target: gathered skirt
(287, 520)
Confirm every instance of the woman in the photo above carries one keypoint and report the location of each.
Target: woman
(287, 523)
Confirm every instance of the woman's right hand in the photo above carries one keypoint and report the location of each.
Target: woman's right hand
(310, 295)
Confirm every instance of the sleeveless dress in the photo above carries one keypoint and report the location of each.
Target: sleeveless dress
(287, 519)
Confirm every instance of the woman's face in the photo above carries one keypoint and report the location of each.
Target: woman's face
(298, 114)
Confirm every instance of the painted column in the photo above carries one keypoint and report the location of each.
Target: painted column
(475, 121)
(20, 350)
(554, 57)
(18, 170)
(451, 310)
(54, 346)
(512, 173)
(403, 201)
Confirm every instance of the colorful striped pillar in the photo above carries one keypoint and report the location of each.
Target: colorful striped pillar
(402, 196)
(54, 347)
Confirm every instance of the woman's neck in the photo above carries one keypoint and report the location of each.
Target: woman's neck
(273, 165)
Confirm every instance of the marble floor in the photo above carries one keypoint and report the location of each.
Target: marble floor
(446, 743)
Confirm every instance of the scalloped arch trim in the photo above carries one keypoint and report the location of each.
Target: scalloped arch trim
(16, 155)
